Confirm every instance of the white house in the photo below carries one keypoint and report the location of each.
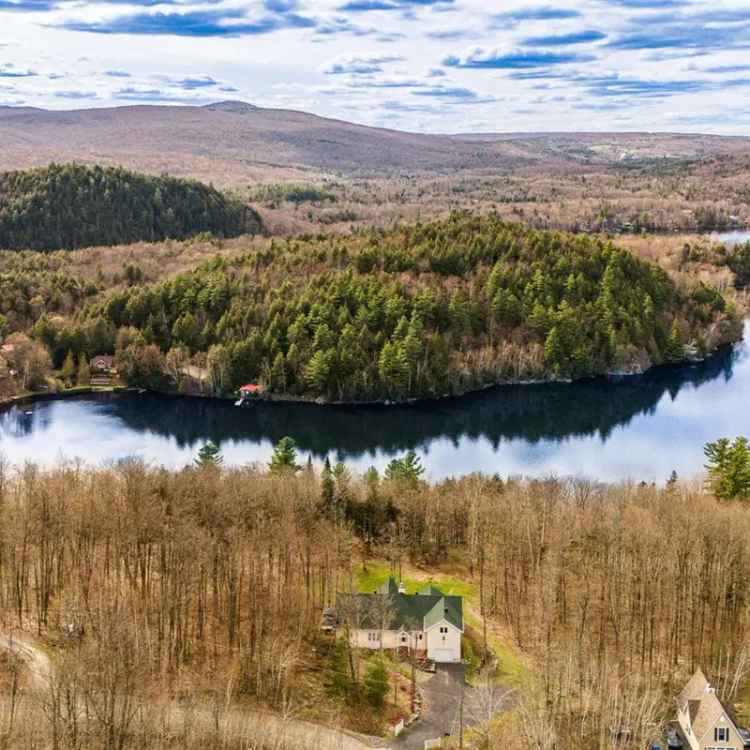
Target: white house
(704, 721)
(428, 623)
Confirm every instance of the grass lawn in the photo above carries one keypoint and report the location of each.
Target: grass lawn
(376, 572)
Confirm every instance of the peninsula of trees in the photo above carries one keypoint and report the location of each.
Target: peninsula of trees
(70, 206)
(425, 311)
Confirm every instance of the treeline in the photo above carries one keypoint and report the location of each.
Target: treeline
(209, 584)
(71, 206)
(429, 310)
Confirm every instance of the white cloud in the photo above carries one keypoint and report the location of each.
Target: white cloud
(309, 44)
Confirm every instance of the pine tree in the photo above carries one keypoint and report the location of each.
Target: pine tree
(673, 351)
(728, 468)
(407, 469)
(209, 457)
(338, 682)
(554, 353)
(68, 369)
(84, 371)
(284, 459)
(376, 683)
(327, 487)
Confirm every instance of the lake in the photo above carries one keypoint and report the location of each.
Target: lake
(732, 238)
(636, 428)
(639, 428)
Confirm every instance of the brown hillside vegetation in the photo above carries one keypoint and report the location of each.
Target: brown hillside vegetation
(228, 140)
(203, 590)
(240, 137)
(580, 181)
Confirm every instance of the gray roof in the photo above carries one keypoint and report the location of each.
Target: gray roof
(387, 609)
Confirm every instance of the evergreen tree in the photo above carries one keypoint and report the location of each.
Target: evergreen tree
(327, 487)
(68, 369)
(376, 683)
(338, 681)
(728, 467)
(554, 353)
(209, 457)
(407, 469)
(673, 351)
(84, 371)
(284, 459)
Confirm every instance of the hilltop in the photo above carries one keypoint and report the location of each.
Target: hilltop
(231, 142)
(71, 206)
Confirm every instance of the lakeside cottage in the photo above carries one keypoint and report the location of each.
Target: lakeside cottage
(249, 393)
(428, 623)
(704, 722)
(102, 364)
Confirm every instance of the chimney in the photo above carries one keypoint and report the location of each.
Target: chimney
(401, 588)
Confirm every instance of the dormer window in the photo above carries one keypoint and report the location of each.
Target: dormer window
(721, 734)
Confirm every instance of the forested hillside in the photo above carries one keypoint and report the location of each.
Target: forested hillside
(70, 206)
(429, 310)
(167, 598)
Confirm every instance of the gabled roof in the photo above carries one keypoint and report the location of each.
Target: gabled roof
(405, 611)
(709, 714)
(703, 706)
(695, 689)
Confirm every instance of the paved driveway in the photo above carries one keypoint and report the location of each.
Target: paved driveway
(440, 708)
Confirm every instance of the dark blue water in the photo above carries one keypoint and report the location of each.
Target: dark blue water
(639, 428)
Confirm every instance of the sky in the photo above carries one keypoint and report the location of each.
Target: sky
(419, 65)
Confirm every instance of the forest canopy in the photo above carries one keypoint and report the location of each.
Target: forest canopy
(61, 207)
(424, 311)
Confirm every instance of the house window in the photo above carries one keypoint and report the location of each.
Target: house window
(443, 630)
(721, 734)
(403, 639)
(419, 636)
(373, 637)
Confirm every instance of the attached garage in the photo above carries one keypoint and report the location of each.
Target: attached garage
(444, 643)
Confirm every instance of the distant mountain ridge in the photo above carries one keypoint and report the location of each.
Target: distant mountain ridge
(232, 143)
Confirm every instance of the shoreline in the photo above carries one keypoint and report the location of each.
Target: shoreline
(33, 397)
(609, 377)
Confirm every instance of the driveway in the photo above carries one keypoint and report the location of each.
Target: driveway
(440, 708)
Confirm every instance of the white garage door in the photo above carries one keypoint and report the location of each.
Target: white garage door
(442, 655)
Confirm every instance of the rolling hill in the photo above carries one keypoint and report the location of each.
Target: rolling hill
(70, 206)
(232, 143)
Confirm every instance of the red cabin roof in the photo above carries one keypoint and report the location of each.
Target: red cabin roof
(251, 388)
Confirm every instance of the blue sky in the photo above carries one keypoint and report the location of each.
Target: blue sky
(423, 65)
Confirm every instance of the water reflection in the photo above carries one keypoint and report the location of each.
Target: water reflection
(638, 428)
(732, 238)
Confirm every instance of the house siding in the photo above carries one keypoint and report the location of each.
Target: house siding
(734, 743)
(444, 647)
(389, 640)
